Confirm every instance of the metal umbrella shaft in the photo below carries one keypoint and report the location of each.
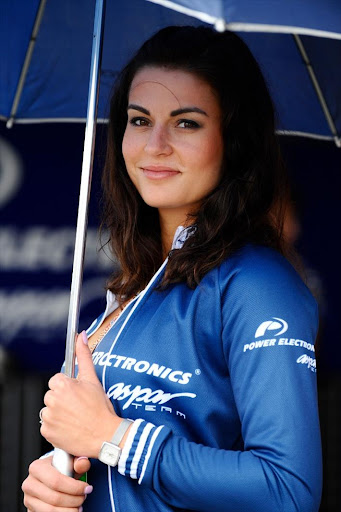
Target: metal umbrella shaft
(62, 460)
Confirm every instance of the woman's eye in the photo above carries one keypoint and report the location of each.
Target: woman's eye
(187, 123)
(139, 121)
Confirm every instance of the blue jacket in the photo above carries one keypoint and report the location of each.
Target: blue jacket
(221, 381)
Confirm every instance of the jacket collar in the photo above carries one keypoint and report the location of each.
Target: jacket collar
(180, 237)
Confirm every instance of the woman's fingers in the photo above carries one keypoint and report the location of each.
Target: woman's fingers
(43, 471)
(78, 416)
(45, 489)
(34, 489)
(35, 505)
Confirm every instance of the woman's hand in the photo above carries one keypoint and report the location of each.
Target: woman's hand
(47, 489)
(78, 415)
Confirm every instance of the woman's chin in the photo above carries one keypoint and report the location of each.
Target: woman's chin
(159, 203)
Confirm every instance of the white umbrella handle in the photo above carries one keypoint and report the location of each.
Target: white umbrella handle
(62, 460)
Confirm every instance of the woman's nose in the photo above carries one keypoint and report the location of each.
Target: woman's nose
(158, 141)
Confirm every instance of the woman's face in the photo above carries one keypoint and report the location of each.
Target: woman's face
(173, 145)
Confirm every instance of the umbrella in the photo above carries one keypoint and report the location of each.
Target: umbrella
(298, 46)
(48, 81)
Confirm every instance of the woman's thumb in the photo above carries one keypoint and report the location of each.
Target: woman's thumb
(86, 370)
(81, 465)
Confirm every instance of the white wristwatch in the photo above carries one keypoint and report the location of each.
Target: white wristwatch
(110, 452)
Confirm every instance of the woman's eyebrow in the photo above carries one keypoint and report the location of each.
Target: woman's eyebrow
(137, 107)
(187, 110)
(174, 113)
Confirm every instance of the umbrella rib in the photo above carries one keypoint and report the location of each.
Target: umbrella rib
(202, 16)
(221, 24)
(26, 64)
(318, 89)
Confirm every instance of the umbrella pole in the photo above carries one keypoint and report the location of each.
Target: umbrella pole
(62, 460)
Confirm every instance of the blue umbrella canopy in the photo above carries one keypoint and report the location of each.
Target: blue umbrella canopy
(298, 45)
(56, 84)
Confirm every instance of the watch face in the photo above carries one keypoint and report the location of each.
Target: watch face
(109, 454)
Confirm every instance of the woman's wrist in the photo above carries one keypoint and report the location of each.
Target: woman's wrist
(108, 429)
(124, 438)
(108, 432)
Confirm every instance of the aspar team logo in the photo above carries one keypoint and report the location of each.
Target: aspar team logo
(276, 324)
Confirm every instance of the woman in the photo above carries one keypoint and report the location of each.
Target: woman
(207, 341)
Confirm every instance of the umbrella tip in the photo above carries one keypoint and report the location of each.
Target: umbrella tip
(220, 25)
(338, 141)
(10, 122)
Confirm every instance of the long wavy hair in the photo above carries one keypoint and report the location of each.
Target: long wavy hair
(246, 206)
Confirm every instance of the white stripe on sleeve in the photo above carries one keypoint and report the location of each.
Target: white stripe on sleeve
(151, 444)
(127, 446)
(139, 450)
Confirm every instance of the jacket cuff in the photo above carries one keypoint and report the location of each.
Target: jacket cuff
(141, 449)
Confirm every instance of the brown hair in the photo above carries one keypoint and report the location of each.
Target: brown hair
(253, 186)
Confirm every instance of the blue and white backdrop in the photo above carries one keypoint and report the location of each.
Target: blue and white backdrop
(39, 186)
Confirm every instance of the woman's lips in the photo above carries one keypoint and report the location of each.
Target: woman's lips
(157, 173)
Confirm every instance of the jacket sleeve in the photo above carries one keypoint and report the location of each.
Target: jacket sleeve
(269, 326)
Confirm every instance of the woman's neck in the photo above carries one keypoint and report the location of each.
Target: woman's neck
(167, 236)
(169, 222)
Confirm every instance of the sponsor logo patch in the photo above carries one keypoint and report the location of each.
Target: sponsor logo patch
(276, 324)
(309, 361)
(130, 363)
(122, 391)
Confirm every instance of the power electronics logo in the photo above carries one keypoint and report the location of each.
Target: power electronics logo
(270, 330)
(276, 324)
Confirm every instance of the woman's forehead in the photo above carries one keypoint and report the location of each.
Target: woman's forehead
(166, 76)
(183, 87)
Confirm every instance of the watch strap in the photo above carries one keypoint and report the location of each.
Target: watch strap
(120, 431)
